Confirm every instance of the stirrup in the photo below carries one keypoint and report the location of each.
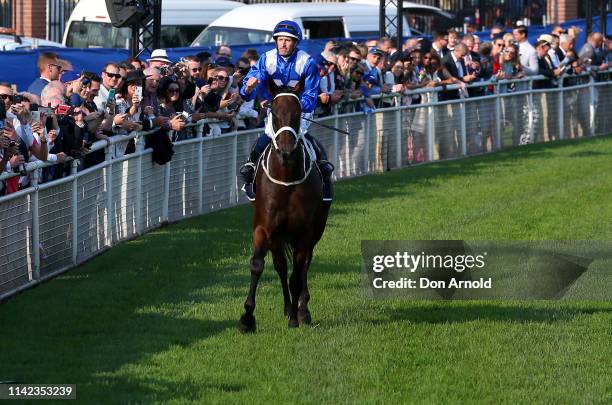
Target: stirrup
(248, 190)
(327, 190)
(247, 172)
(326, 167)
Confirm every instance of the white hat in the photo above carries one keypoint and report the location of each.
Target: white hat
(159, 55)
(546, 37)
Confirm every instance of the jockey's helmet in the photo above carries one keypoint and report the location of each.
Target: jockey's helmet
(288, 28)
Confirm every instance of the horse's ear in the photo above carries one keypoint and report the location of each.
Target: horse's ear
(272, 88)
(298, 87)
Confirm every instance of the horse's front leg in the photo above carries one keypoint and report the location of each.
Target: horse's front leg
(303, 312)
(260, 249)
(299, 287)
(280, 264)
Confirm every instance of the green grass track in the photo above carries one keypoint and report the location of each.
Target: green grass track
(155, 319)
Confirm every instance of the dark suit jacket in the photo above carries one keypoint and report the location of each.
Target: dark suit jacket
(449, 64)
(442, 53)
(545, 68)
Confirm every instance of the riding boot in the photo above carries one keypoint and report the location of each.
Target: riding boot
(325, 166)
(247, 171)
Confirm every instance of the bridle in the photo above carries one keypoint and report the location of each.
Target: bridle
(275, 134)
(298, 136)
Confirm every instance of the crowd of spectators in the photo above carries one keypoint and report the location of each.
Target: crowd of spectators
(65, 111)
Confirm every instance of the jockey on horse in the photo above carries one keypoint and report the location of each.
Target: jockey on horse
(285, 65)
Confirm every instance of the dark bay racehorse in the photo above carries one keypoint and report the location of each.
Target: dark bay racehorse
(290, 215)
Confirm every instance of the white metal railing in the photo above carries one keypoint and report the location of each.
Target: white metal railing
(49, 228)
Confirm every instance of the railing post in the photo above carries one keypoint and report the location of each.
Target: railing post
(347, 155)
(463, 127)
(366, 148)
(431, 129)
(139, 150)
(560, 110)
(75, 212)
(531, 112)
(398, 131)
(234, 163)
(35, 225)
(166, 200)
(336, 155)
(592, 105)
(498, 122)
(201, 172)
(109, 194)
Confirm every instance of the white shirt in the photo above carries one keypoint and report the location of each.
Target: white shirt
(460, 71)
(554, 58)
(529, 58)
(101, 99)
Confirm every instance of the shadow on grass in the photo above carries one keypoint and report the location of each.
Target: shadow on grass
(149, 390)
(589, 154)
(139, 299)
(461, 312)
(451, 312)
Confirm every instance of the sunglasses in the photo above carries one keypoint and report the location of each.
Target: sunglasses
(221, 77)
(354, 59)
(427, 57)
(500, 44)
(196, 69)
(509, 52)
(113, 75)
(6, 96)
(59, 67)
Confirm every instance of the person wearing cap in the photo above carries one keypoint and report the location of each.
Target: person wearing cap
(545, 65)
(527, 53)
(286, 65)
(549, 39)
(371, 64)
(74, 85)
(159, 58)
(546, 69)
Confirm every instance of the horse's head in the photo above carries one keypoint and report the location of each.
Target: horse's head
(286, 113)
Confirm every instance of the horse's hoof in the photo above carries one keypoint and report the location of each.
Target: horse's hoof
(293, 323)
(247, 324)
(304, 318)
